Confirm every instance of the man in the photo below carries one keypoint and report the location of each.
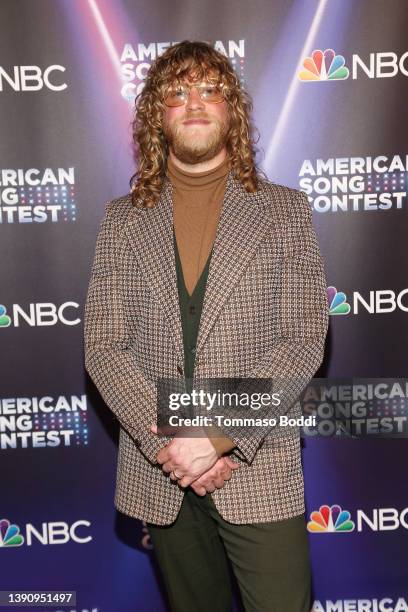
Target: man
(207, 270)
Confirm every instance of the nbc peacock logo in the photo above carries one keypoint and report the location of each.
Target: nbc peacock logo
(324, 66)
(10, 534)
(337, 300)
(330, 519)
(5, 320)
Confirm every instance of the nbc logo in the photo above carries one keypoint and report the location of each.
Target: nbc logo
(5, 320)
(50, 533)
(324, 66)
(380, 301)
(330, 519)
(10, 534)
(337, 302)
(327, 66)
(38, 315)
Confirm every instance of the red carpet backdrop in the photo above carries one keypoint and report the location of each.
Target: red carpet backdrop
(329, 81)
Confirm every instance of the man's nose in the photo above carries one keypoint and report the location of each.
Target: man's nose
(194, 101)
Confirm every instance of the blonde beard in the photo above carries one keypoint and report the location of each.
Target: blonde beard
(196, 150)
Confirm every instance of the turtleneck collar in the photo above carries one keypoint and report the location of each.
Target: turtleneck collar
(196, 181)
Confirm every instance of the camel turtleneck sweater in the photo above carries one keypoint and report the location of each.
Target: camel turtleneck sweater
(197, 204)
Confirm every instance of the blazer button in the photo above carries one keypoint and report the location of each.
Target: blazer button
(179, 369)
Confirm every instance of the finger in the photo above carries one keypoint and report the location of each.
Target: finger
(163, 455)
(185, 481)
(199, 489)
(219, 482)
(168, 467)
(202, 481)
(225, 470)
(227, 475)
(153, 429)
(232, 464)
(210, 488)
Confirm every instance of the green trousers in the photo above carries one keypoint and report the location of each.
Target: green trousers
(269, 560)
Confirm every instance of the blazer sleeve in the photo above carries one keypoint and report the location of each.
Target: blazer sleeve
(108, 359)
(303, 322)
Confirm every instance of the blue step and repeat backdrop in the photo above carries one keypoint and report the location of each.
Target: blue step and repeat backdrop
(329, 81)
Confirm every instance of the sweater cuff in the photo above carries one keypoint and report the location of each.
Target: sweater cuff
(219, 440)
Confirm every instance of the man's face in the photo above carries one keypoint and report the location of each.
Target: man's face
(198, 130)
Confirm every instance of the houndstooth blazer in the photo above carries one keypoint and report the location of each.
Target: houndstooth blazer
(265, 314)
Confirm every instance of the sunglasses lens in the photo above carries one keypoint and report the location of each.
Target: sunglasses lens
(176, 97)
(211, 94)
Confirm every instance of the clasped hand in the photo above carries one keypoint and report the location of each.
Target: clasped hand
(194, 462)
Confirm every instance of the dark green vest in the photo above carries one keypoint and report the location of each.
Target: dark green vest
(190, 310)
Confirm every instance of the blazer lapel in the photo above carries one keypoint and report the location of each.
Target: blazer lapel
(242, 225)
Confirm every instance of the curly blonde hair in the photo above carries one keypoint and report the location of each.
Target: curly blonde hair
(151, 149)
